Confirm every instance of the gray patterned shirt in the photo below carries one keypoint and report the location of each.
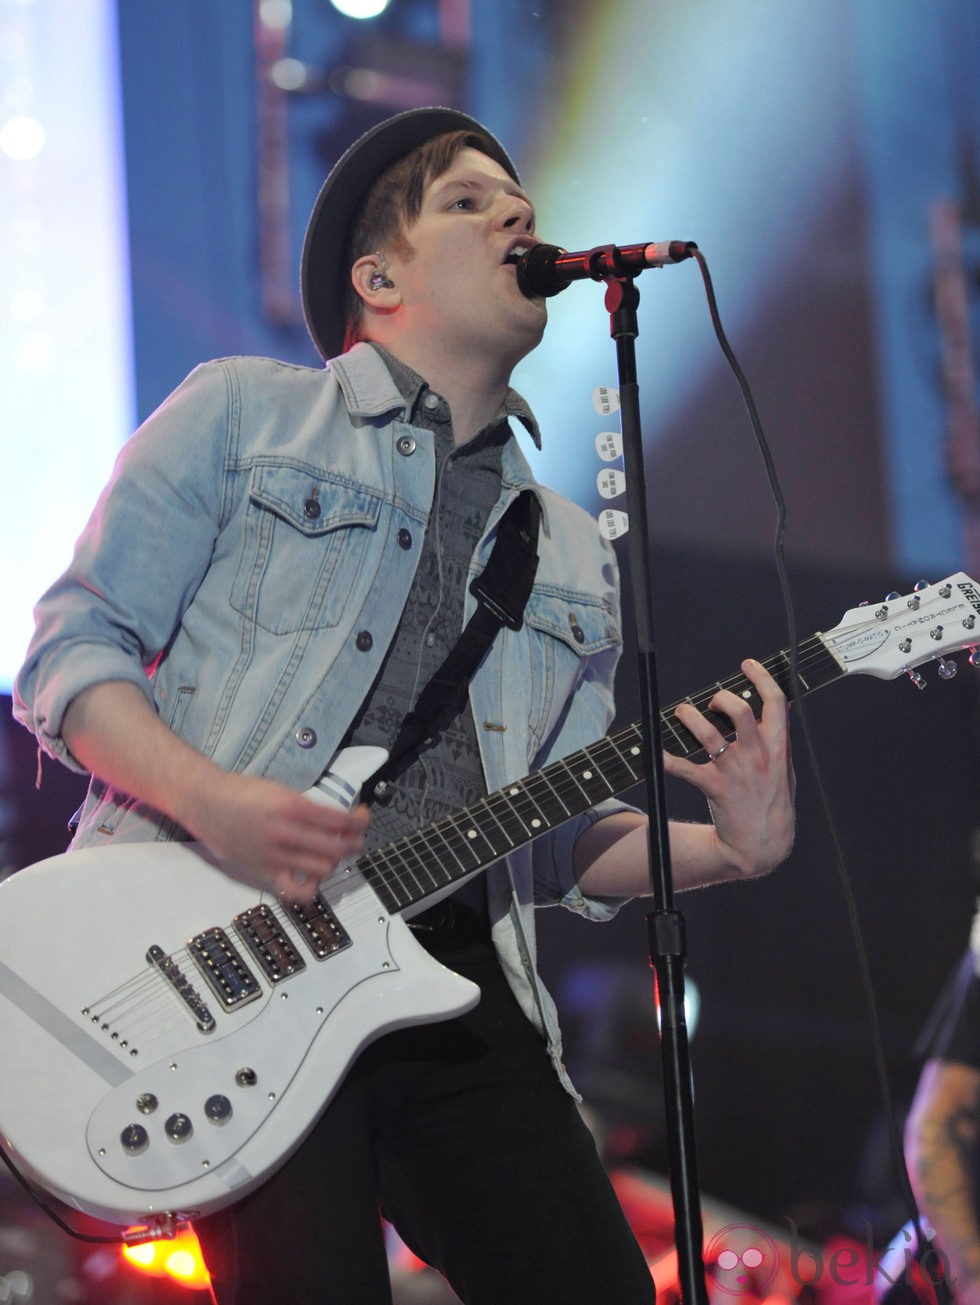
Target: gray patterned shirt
(447, 775)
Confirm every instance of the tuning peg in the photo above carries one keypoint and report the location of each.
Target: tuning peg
(947, 668)
(974, 657)
(893, 597)
(916, 678)
(919, 586)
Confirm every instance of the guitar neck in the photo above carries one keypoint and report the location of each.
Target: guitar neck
(440, 854)
(815, 666)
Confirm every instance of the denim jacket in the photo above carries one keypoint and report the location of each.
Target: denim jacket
(247, 565)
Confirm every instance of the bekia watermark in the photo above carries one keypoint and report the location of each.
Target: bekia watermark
(744, 1260)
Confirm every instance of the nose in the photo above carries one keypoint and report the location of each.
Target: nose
(516, 214)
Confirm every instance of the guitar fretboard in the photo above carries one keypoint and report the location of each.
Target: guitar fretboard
(419, 864)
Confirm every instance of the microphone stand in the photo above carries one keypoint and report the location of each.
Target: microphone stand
(665, 926)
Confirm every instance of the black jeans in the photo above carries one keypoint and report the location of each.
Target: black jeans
(462, 1135)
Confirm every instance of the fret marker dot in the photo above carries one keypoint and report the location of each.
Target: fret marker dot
(535, 824)
(471, 833)
(513, 791)
(746, 693)
(634, 751)
(586, 774)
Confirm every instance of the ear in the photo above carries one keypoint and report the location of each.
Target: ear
(370, 266)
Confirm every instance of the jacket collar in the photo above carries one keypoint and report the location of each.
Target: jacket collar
(369, 390)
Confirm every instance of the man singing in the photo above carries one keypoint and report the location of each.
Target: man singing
(278, 566)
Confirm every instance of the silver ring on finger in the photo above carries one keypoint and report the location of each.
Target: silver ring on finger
(713, 756)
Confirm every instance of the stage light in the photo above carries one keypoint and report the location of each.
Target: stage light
(178, 1258)
(277, 14)
(360, 8)
(22, 138)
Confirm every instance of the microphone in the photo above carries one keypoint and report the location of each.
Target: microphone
(546, 270)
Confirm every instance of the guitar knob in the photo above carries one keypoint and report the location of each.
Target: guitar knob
(947, 668)
(246, 1077)
(916, 679)
(134, 1139)
(146, 1103)
(178, 1128)
(218, 1109)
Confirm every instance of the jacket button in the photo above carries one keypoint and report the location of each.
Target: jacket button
(311, 509)
(406, 446)
(306, 737)
(364, 641)
(404, 538)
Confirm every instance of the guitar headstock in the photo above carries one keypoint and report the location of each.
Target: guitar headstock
(888, 638)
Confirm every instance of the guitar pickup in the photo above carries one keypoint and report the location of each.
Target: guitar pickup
(269, 943)
(227, 975)
(321, 930)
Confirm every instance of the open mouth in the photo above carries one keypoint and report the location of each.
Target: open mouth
(515, 254)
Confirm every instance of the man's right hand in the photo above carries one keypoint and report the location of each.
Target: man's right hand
(261, 831)
(266, 834)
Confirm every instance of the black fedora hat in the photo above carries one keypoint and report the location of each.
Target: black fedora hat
(323, 274)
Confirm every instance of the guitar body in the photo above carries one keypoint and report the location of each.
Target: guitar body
(112, 1097)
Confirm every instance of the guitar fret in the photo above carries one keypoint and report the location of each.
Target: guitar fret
(430, 849)
(507, 815)
(384, 878)
(541, 783)
(406, 873)
(492, 802)
(471, 835)
(628, 760)
(464, 835)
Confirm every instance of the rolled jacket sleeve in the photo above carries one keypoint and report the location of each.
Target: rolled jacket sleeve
(138, 562)
(554, 881)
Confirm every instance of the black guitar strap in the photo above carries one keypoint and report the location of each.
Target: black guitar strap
(502, 590)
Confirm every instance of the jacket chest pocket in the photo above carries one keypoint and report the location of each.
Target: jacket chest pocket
(565, 631)
(306, 538)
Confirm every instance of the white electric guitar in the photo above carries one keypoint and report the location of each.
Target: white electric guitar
(167, 1041)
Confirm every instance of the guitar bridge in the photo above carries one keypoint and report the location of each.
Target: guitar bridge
(187, 993)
